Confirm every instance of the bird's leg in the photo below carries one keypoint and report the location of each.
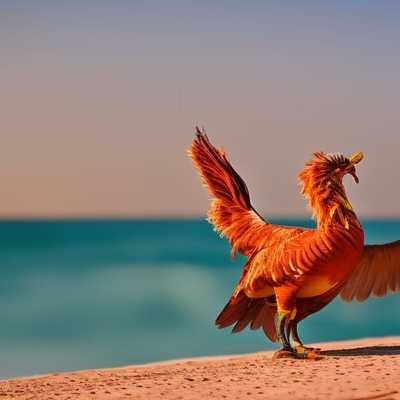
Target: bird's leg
(297, 343)
(281, 322)
(285, 314)
(289, 330)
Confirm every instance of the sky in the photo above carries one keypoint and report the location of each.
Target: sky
(99, 100)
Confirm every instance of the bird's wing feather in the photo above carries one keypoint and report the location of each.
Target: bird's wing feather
(231, 212)
(290, 253)
(377, 273)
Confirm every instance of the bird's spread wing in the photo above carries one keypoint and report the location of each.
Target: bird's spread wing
(376, 274)
(231, 212)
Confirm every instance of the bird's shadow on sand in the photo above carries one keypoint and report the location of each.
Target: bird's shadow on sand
(364, 351)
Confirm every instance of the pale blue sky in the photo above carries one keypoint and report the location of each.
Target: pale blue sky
(99, 99)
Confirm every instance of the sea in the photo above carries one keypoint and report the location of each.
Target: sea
(80, 294)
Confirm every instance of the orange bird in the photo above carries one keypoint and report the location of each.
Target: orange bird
(292, 272)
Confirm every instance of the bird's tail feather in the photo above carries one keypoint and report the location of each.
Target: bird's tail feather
(242, 311)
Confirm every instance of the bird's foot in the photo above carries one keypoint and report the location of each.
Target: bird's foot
(283, 353)
(303, 354)
(306, 354)
(302, 349)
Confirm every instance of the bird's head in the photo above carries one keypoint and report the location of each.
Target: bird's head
(341, 166)
(326, 169)
(322, 182)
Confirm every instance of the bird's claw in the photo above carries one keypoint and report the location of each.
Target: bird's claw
(301, 354)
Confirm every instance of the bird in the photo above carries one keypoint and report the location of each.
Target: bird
(293, 272)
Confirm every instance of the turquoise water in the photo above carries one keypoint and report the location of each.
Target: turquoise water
(92, 294)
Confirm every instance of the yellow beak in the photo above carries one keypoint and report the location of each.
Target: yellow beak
(356, 157)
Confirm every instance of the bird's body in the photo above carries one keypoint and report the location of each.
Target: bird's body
(291, 272)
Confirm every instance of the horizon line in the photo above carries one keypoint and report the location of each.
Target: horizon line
(127, 217)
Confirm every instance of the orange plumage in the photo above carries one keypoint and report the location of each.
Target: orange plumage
(293, 272)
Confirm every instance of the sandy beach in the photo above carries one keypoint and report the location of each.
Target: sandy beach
(362, 369)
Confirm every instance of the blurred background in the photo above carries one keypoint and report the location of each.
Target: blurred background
(105, 256)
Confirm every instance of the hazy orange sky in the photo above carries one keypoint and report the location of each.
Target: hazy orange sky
(99, 100)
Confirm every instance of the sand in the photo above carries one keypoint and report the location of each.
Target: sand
(362, 369)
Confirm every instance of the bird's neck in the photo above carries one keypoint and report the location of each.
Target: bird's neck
(330, 206)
